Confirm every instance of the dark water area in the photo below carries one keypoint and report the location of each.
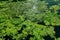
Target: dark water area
(48, 38)
(28, 37)
(7, 37)
(42, 23)
(57, 31)
(58, 12)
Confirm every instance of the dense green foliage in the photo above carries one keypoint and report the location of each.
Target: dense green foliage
(29, 19)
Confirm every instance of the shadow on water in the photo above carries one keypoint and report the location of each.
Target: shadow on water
(48, 38)
(57, 30)
(58, 12)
